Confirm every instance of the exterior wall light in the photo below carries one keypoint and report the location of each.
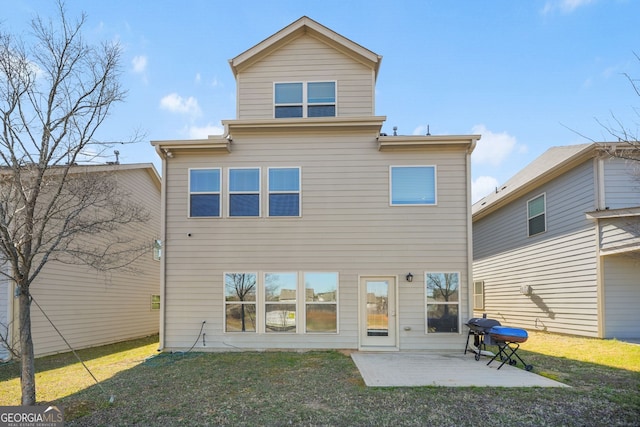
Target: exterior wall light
(409, 277)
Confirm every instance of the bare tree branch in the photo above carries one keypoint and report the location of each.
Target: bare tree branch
(55, 92)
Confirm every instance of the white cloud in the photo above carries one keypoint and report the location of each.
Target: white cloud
(177, 104)
(482, 186)
(493, 148)
(139, 64)
(421, 130)
(201, 132)
(565, 6)
(198, 78)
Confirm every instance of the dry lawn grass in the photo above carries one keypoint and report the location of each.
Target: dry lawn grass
(325, 388)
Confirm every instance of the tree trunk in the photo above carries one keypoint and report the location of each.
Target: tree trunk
(28, 373)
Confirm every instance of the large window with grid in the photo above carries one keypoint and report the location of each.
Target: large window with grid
(280, 302)
(443, 302)
(321, 302)
(240, 291)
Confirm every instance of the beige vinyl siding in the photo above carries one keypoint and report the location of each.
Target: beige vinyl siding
(622, 296)
(306, 59)
(92, 308)
(347, 226)
(559, 265)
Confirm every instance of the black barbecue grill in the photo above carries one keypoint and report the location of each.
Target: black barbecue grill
(489, 332)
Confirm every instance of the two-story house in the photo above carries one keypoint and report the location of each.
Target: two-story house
(557, 247)
(89, 307)
(303, 226)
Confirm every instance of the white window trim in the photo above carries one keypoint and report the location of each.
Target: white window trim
(189, 193)
(336, 303)
(299, 192)
(225, 302)
(544, 197)
(266, 303)
(305, 104)
(435, 185)
(427, 303)
(229, 192)
(480, 307)
(261, 304)
(159, 302)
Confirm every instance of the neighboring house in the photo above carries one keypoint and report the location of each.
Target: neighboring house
(91, 308)
(557, 248)
(299, 226)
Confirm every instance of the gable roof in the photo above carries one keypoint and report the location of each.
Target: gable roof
(299, 28)
(552, 163)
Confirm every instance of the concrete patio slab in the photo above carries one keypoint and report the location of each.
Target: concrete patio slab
(415, 369)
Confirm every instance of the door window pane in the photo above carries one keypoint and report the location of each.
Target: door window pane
(377, 308)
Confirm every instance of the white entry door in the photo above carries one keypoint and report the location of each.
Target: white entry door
(378, 322)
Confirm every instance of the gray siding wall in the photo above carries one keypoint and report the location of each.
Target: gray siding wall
(622, 296)
(92, 308)
(619, 233)
(559, 265)
(306, 59)
(347, 226)
(622, 183)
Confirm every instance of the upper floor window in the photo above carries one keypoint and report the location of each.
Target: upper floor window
(284, 191)
(244, 192)
(204, 192)
(536, 215)
(412, 185)
(310, 99)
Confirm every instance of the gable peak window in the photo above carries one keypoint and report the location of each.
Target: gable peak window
(304, 99)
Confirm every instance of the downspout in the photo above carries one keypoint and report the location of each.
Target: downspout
(600, 204)
(472, 146)
(163, 256)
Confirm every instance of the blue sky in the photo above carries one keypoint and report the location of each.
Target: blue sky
(527, 75)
